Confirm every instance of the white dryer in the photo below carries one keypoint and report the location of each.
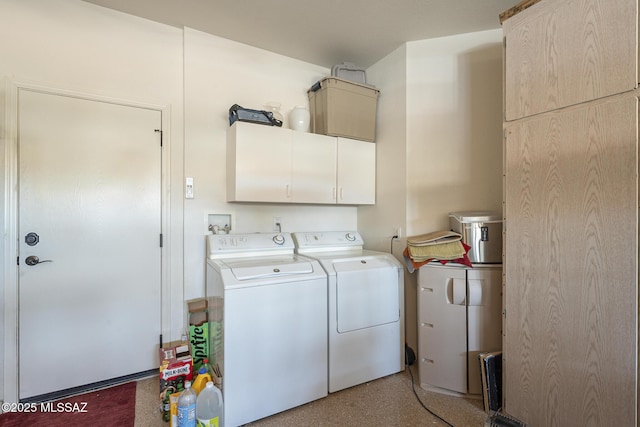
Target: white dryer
(366, 307)
(268, 321)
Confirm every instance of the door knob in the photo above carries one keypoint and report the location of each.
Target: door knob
(34, 260)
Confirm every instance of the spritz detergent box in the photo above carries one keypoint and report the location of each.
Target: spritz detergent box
(176, 366)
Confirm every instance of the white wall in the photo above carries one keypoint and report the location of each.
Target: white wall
(454, 133)
(218, 74)
(439, 140)
(454, 130)
(379, 223)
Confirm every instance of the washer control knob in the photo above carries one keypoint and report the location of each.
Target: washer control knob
(350, 237)
(278, 239)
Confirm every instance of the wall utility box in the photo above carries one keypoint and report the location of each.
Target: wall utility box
(344, 108)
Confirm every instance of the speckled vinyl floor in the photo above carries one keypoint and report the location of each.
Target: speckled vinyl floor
(388, 401)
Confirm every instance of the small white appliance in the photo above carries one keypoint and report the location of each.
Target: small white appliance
(268, 324)
(366, 307)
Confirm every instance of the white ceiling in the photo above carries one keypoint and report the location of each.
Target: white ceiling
(322, 32)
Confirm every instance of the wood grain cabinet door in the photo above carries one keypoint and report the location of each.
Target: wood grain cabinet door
(561, 53)
(571, 276)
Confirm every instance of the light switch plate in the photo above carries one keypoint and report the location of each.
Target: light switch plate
(188, 192)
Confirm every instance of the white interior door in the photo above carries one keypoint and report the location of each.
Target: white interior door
(90, 188)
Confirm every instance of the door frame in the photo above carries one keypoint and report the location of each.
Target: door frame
(10, 369)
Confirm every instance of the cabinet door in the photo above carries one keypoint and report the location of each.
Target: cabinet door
(571, 275)
(561, 53)
(442, 321)
(484, 313)
(258, 163)
(314, 168)
(356, 172)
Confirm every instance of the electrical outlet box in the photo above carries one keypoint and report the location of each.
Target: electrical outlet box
(277, 224)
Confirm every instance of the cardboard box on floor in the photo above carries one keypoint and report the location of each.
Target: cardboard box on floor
(216, 336)
(198, 331)
(176, 366)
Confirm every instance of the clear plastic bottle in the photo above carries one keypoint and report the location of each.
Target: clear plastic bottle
(209, 407)
(187, 406)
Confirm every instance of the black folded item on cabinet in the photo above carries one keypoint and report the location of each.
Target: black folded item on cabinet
(238, 113)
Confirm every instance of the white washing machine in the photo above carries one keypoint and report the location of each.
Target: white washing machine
(268, 321)
(366, 307)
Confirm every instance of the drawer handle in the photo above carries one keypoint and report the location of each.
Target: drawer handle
(427, 289)
(424, 359)
(429, 325)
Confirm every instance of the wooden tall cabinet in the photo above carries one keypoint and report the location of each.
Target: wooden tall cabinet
(570, 344)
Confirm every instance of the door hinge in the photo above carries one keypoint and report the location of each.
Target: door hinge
(17, 260)
(161, 240)
(161, 134)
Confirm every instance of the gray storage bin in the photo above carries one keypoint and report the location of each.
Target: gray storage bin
(343, 108)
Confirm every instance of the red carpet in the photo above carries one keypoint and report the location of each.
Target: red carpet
(115, 406)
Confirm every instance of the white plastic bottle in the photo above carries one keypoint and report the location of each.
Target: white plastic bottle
(187, 406)
(209, 407)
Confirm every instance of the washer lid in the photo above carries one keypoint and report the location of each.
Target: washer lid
(271, 266)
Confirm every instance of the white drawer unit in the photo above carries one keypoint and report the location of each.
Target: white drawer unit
(459, 317)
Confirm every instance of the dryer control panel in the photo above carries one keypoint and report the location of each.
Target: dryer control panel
(328, 240)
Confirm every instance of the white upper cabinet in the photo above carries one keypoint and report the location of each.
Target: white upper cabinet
(562, 53)
(271, 164)
(356, 183)
(258, 164)
(313, 174)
